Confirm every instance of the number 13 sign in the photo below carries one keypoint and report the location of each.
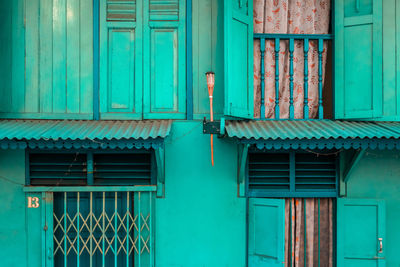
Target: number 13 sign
(33, 202)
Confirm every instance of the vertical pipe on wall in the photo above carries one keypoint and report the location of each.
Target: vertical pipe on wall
(96, 55)
(262, 78)
(189, 64)
(291, 49)
(277, 42)
(306, 48)
(320, 50)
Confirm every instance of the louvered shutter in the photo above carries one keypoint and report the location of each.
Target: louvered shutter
(358, 59)
(164, 62)
(314, 172)
(122, 169)
(238, 58)
(269, 172)
(57, 169)
(292, 175)
(121, 87)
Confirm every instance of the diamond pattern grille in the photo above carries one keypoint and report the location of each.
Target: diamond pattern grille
(110, 225)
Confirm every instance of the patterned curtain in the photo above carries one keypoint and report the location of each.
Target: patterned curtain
(308, 232)
(289, 16)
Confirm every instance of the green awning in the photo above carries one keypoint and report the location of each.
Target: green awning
(321, 134)
(83, 134)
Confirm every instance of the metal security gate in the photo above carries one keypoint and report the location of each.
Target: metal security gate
(97, 226)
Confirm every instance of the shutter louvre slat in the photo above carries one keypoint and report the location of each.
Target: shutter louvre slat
(310, 172)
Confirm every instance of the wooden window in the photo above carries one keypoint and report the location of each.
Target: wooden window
(358, 59)
(238, 58)
(292, 174)
(142, 59)
(88, 168)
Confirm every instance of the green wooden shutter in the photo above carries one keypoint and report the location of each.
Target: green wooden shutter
(266, 232)
(360, 224)
(164, 59)
(358, 59)
(121, 48)
(238, 58)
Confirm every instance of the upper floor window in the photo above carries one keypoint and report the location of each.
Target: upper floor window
(142, 59)
(290, 58)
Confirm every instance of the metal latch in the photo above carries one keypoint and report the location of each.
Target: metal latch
(380, 240)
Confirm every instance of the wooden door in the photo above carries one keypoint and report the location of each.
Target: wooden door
(361, 232)
(266, 232)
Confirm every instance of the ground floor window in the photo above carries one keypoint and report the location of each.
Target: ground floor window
(96, 207)
(291, 232)
(292, 199)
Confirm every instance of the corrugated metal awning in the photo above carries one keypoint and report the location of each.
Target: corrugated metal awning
(316, 134)
(82, 134)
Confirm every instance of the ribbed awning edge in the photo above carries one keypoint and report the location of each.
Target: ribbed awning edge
(68, 134)
(318, 134)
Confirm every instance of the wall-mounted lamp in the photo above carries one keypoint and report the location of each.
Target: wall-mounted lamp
(210, 85)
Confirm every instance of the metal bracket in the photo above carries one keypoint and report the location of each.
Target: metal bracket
(243, 151)
(160, 162)
(354, 161)
(211, 127)
(214, 127)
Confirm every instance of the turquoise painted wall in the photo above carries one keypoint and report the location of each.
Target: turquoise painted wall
(204, 218)
(13, 245)
(200, 222)
(377, 176)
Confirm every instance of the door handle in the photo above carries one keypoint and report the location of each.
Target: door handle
(380, 240)
(49, 253)
(240, 3)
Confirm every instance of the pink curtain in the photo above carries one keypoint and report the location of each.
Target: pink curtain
(296, 17)
(302, 227)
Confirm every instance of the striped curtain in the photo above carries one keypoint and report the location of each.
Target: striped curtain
(295, 17)
(308, 232)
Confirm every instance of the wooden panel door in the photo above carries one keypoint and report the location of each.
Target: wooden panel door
(358, 59)
(266, 234)
(121, 48)
(238, 58)
(361, 232)
(164, 62)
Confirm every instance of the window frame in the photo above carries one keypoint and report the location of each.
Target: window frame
(89, 181)
(292, 193)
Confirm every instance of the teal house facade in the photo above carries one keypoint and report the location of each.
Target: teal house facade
(116, 149)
